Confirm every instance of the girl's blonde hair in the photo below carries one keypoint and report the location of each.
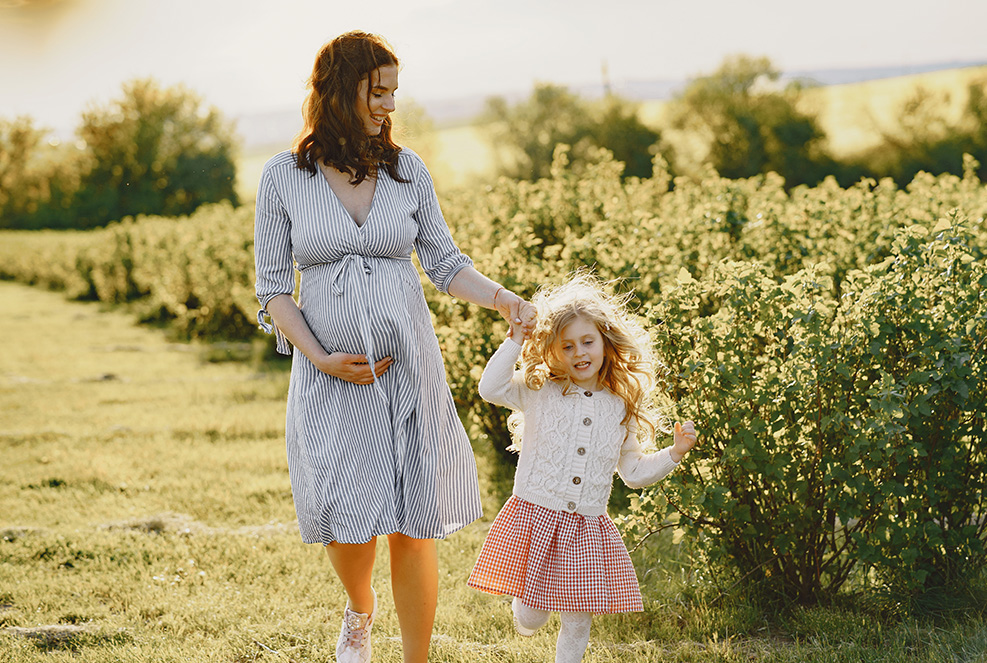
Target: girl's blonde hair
(629, 363)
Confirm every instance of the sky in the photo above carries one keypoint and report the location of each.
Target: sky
(59, 57)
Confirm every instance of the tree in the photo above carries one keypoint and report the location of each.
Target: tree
(747, 126)
(619, 130)
(525, 135)
(19, 180)
(926, 137)
(154, 151)
(534, 127)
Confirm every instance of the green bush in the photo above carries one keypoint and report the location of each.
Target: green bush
(922, 318)
(836, 431)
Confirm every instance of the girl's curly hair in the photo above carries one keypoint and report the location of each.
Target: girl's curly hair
(629, 363)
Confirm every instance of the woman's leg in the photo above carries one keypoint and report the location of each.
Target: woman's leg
(354, 564)
(415, 580)
(573, 636)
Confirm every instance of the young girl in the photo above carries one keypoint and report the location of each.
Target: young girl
(581, 401)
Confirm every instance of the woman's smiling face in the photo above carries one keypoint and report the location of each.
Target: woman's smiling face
(374, 104)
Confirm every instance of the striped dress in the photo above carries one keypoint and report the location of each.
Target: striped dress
(366, 460)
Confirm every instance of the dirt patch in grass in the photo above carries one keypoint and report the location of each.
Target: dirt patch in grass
(70, 637)
(11, 534)
(185, 525)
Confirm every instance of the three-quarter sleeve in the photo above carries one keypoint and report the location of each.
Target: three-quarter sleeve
(437, 251)
(273, 261)
(639, 469)
(499, 384)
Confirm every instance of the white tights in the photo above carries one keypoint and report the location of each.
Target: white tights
(573, 634)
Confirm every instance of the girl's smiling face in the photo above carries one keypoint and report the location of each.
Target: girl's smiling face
(580, 348)
(374, 104)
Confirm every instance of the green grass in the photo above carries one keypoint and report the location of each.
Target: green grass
(146, 515)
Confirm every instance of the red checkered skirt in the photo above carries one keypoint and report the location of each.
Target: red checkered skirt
(557, 561)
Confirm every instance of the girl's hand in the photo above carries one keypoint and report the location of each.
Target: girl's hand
(353, 368)
(683, 440)
(521, 315)
(528, 315)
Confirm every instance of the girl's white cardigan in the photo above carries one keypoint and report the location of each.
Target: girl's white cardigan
(572, 442)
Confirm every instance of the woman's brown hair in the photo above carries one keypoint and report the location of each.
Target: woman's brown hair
(333, 132)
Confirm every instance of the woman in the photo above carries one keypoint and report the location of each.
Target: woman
(374, 444)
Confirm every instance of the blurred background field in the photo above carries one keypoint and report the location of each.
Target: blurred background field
(147, 517)
(853, 115)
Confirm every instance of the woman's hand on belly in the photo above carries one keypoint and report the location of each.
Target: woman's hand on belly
(352, 368)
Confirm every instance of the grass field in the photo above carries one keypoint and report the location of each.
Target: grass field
(146, 515)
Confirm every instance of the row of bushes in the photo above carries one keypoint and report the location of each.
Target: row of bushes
(196, 273)
(827, 341)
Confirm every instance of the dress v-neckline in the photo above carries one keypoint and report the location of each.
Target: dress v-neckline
(349, 215)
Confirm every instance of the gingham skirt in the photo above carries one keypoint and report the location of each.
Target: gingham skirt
(557, 561)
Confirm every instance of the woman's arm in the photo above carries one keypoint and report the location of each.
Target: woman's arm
(352, 368)
(472, 286)
(448, 268)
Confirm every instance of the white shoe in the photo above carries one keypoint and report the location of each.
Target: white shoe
(354, 636)
(517, 606)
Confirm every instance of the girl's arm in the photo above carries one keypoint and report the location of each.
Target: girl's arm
(639, 469)
(497, 384)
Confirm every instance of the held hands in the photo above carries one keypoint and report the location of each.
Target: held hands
(353, 368)
(683, 440)
(524, 322)
(521, 315)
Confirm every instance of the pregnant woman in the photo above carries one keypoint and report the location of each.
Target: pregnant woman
(374, 443)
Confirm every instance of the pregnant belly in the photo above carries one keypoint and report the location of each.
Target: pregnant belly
(359, 313)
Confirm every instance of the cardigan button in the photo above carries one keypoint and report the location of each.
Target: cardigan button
(588, 393)
(587, 421)
(576, 480)
(581, 451)
(572, 506)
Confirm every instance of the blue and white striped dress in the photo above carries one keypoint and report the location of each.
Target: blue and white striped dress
(366, 460)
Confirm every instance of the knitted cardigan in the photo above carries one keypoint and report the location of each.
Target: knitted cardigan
(572, 440)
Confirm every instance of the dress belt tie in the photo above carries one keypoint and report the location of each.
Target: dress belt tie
(351, 271)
